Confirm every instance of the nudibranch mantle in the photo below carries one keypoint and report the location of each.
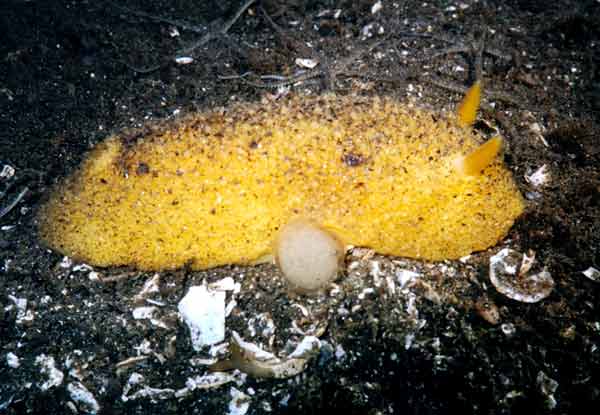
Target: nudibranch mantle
(215, 188)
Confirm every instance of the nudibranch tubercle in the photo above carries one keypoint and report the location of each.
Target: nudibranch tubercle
(215, 188)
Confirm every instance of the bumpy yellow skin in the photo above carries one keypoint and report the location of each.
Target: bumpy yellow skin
(214, 188)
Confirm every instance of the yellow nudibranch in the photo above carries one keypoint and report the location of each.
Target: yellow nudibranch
(215, 188)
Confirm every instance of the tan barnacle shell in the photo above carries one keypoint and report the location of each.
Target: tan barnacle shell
(509, 273)
(251, 359)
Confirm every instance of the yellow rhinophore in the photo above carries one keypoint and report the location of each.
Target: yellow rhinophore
(474, 162)
(214, 188)
(468, 107)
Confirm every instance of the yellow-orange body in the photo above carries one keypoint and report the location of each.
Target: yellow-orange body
(214, 188)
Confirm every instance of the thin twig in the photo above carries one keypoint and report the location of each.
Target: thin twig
(276, 81)
(443, 52)
(119, 277)
(207, 37)
(476, 48)
(289, 39)
(10, 206)
(147, 69)
(449, 86)
(456, 88)
(222, 31)
(269, 20)
(179, 23)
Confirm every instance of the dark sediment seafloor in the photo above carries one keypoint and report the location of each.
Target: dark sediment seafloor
(395, 335)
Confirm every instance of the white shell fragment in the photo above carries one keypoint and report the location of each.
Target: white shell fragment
(83, 398)
(226, 284)
(66, 263)
(251, 348)
(527, 262)
(151, 286)
(539, 177)
(12, 360)
(508, 274)
(306, 348)
(376, 7)
(23, 315)
(203, 311)
(208, 381)
(143, 313)
(340, 353)
(7, 172)
(251, 359)
(53, 377)
(145, 392)
(405, 276)
(508, 329)
(147, 313)
(547, 387)
(592, 273)
(184, 60)
(129, 362)
(262, 324)
(82, 268)
(149, 392)
(134, 379)
(239, 404)
(306, 63)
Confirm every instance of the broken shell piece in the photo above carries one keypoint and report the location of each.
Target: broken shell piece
(145, 392)
(203, 311)
(52, 376)
(376, 7)
(309, 256)
(261, 324)
(23, 315)
(184, 60)
(143, 313)
(240, 402)
(306, 63)
(12, 360)
(527, 262)
(306, 348)
(208, 381)
(405, 277)
(151, 286)
(251, 359)
(129, 362)
(547, 387)
(226, 284)
(147, 313)
(149, 392)
(505, 275)
(539, 177)
(7, 172)
(487, 310)
(592, 273)
(84, 399)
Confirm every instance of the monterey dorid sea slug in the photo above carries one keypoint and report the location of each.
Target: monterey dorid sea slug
(217, 187)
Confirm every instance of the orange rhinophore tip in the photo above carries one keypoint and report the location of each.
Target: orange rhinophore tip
(474, 162)
(467, 109)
